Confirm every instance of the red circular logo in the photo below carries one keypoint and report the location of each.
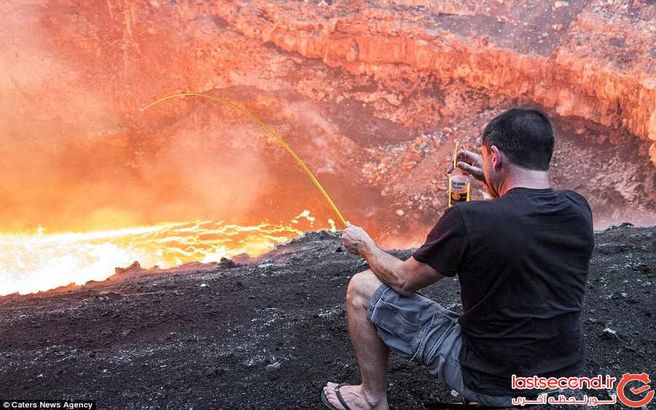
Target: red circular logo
(641, 386)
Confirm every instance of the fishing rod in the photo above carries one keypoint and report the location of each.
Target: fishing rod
(281, 141)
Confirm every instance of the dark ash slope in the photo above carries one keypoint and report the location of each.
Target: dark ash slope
(269, 333)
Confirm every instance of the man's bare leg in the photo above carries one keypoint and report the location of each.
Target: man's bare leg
(371, 352)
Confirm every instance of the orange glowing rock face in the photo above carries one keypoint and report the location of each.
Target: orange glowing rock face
(32, 263)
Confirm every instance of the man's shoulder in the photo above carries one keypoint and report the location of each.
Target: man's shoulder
(483, 205)
(575, 197)
(508, 206)
(482, 212)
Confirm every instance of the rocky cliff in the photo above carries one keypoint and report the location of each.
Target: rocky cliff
(581, 58)
(371, 95)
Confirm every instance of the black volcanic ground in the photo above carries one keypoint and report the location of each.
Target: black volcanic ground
(268, 333)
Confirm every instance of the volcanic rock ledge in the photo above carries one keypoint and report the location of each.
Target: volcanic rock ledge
(269, 332)
(586, 59)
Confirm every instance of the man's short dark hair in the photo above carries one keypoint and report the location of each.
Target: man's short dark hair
(525, 136)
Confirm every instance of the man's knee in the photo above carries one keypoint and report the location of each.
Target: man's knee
(361, 288)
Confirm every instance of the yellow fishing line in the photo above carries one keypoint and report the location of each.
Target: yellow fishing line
(270, 131)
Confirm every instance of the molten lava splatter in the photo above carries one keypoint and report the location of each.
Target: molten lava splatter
(32, 263)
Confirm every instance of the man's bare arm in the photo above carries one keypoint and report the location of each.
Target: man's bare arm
(405, 277)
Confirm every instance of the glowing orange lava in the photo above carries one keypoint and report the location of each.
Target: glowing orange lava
(31, 263)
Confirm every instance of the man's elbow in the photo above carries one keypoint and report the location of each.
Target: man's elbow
(409, 284)
(405, 288)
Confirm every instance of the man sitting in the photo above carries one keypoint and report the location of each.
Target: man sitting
(521, 258)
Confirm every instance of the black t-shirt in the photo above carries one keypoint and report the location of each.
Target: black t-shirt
(522, 262)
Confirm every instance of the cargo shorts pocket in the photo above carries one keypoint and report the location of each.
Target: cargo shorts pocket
(400, 321)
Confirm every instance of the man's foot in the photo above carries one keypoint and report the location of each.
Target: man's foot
(355, 397)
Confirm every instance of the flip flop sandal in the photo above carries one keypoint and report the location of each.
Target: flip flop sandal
(325, 401)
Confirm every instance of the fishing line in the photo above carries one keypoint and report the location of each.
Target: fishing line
(270, 131)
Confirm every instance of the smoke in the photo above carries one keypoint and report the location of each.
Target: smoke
(44, 113)
(205, 174)
(71, 159)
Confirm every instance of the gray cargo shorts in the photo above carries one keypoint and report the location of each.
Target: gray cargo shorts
(423, 330)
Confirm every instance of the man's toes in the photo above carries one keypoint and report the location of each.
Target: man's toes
(329, 388)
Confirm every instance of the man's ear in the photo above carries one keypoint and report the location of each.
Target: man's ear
(496, 157)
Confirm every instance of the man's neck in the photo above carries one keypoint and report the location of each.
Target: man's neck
(525, 178)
